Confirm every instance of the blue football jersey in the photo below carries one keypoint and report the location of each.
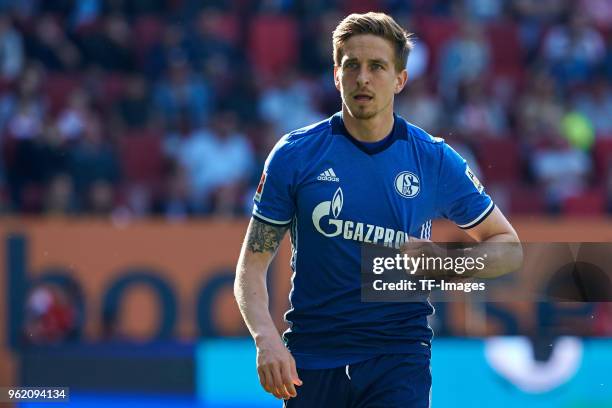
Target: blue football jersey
(335, 193)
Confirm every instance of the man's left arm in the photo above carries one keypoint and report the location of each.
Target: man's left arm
(462, 199)
(498, 240)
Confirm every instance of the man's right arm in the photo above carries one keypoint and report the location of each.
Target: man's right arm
(275, 365)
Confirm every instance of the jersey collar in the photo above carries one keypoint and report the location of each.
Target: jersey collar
(398, 131)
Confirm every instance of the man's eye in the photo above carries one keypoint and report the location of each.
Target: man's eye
(376, 66)
(350, 65)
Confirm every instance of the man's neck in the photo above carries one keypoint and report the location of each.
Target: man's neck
(368, 130)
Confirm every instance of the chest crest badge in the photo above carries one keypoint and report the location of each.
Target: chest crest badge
(407, 184)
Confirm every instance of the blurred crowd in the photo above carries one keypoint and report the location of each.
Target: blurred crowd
(169, 107)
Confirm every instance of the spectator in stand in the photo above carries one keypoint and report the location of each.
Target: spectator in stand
(561, 170)
(540, 111)
(52, 153)
(24, 122)
(60, 197)
(218, 161)
(574, 50)
(111, 47)
(173, 46)
(73, 120)
(417, 63)
(134, 109)
(596, 104)
(94, 167)
(207, 43)
(418, 105)
(50, 45)
(28, 95)
(463, 59)
(183, 91)
(216, 57)
(101, 199)
(478, 114)
(175, 204)
(563, 167)
(532, 18)
(597, 11)
(289, 103)
(11, 50)
(485, 10)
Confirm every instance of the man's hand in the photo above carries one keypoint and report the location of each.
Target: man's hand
(276, 368)
(419, 247)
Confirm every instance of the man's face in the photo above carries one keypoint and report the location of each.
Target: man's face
(367, 78)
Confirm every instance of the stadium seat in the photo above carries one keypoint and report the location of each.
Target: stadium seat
(113, 88)
(499, 159)
(273, 43)
(58, 88)
(526, 200)
(141, 156)
(507, 56)
(360, 6)
(436, 32)
(591, 202)
(32, 198)
(602, 152)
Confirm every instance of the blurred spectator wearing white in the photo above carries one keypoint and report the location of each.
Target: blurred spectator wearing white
(562, 171)
(574, 50)
(73, 120)
(22, 113)
(11, 50)
(218, 161)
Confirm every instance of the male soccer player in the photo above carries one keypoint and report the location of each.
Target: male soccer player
(365, 175)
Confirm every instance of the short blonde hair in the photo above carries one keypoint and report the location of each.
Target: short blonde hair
(378, 24)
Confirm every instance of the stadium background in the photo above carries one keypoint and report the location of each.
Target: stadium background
(133, 134)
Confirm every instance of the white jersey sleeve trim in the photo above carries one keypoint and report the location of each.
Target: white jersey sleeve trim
(479, 218)
(270, 220)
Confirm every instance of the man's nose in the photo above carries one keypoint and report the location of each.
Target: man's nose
(363, 78)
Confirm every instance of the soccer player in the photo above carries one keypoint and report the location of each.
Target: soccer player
(365, 175)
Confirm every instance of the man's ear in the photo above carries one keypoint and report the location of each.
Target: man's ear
(401, 80)
(337, 77)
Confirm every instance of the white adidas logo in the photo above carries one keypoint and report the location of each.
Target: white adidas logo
(328, 175)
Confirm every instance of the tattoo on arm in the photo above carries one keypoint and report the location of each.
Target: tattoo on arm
(263, 237)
